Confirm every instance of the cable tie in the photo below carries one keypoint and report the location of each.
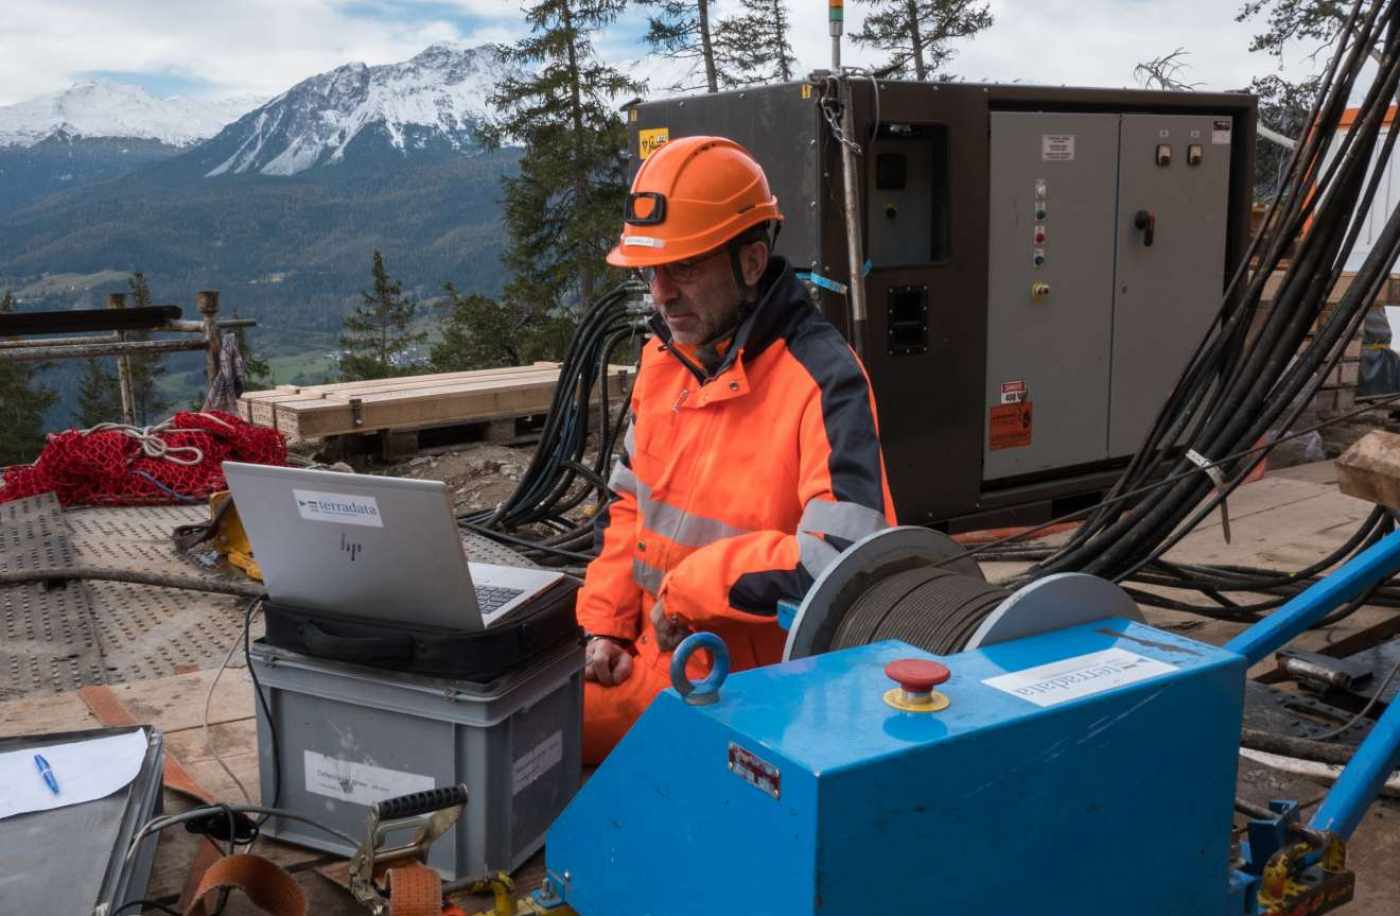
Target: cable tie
(1218, 478)
(824, 282)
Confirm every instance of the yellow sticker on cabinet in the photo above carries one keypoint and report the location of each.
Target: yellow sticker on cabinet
(652, 140)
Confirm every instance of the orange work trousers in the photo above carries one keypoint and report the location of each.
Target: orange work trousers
(608, 712)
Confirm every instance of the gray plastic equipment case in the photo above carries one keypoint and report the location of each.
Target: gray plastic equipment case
(348, 736)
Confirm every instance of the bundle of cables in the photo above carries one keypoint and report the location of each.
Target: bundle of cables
(1251, 375)
(534, 519)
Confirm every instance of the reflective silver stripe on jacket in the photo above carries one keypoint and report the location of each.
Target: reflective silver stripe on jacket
(815, 554)
(846, 520)
(647, 576)
(685, 528)
(622, 479)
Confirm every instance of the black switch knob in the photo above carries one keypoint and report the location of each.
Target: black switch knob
(1146, 223)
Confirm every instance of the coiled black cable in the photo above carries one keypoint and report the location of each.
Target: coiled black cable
(549, 488)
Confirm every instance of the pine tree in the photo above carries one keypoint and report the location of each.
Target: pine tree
(562, 210)
(483, 333)
(917, 32)
(1284, 105)
(99, 398)
(22, 405)
(685, 30)
(755, 46)
(378, 340)
(149, 404)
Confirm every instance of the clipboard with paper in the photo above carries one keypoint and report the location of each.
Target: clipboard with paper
(65, 851)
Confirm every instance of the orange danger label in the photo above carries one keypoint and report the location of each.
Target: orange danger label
(1010, 425)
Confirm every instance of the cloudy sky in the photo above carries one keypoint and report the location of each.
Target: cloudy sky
(261, 47)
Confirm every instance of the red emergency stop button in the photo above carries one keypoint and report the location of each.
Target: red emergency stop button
(916, 678)
(917, 675)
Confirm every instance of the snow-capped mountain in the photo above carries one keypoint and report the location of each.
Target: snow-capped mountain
(434, 101)
(101, 110)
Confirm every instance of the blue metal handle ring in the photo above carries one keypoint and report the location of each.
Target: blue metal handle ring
(707, 691)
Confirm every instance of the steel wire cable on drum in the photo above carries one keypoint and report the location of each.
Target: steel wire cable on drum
(935, 612)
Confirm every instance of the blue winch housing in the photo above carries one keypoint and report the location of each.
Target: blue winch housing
(1053, 781)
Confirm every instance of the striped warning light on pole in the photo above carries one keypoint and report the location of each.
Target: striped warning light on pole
(836, 12)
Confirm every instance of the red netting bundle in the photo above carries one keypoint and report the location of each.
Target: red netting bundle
(178, 461)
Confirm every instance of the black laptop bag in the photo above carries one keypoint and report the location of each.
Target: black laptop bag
(540, 624)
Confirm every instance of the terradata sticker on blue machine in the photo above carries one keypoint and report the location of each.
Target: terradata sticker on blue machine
(1082, 676)
(341, 508)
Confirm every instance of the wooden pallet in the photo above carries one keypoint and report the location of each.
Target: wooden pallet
(410, 402)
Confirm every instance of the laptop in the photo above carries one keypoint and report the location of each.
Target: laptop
(381, 548)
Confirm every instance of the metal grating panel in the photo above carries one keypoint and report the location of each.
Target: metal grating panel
(95, 631)
(49, 642)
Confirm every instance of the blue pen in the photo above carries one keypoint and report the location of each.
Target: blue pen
(46, 771)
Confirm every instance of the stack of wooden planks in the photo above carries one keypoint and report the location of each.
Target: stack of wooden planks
(410, 402)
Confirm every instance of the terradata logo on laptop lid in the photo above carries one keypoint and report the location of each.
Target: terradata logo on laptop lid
(336, 507)
(382, 548)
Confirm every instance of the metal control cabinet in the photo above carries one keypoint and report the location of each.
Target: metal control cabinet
(1021, 334)
(1107, 261)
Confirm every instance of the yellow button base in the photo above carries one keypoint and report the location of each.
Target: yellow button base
(936, 701)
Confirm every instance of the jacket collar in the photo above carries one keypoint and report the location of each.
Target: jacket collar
(781, 295)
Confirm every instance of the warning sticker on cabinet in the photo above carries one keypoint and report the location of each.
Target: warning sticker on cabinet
(1056, 147)
(360, 783)
(1013, 392)
(315, 506)
(540, 760)
(1081, 676)
(1010, 425)
(649, 141)
(1220, 132)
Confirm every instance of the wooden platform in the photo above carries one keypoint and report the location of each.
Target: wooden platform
(410, 402)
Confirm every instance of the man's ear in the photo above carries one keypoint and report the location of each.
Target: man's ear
(753, 261)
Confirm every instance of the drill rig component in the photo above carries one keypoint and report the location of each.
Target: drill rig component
(918, 586)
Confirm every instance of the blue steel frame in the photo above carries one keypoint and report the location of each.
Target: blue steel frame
(1379, 754)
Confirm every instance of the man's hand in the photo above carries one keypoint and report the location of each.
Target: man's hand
(670, 631)
(606, 661)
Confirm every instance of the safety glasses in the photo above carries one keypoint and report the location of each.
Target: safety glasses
(679, 271)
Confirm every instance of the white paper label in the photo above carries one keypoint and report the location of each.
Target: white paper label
(1220, 133)
(338, 507)
(545, 756)
(1056, 147)
(1082, 676)
(359, 782)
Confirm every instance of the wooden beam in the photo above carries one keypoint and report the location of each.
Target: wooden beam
(85, 321)
(1370, 469)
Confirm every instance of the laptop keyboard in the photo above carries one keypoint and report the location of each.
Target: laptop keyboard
(492, 598)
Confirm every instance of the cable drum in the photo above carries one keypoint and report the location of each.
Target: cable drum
(928, 607)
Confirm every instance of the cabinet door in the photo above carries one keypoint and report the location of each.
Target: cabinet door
(1173, 187)
(1053, 175)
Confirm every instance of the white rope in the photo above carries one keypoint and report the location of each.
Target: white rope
(152, 445)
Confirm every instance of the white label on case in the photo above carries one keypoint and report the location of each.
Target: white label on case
(360, 783)
(544, 757)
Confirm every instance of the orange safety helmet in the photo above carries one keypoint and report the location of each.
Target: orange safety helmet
(690, 197)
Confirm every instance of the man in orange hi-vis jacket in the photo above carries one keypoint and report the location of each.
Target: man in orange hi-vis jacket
(752, 458)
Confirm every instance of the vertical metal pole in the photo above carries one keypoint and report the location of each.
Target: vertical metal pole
(207, 301)
(836, 12)
(118, 301)
(1375, 564)
(855, 256)
(1363, 777)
